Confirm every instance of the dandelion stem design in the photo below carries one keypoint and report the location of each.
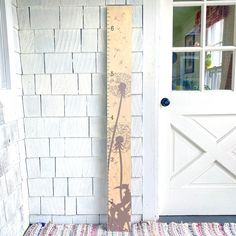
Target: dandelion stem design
(121, 173)
(121, 89)
(114, 132)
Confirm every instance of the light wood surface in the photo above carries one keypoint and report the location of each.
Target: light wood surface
(119, 30)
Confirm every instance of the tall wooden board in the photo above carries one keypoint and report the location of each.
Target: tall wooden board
(119, 30)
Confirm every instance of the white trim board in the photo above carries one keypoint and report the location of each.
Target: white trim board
(150, 103)
(9, 95)
(4, 48)
(154, 19)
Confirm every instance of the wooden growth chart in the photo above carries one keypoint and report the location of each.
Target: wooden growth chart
(119, 30)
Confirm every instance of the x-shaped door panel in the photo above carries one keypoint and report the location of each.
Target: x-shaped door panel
(213, 151)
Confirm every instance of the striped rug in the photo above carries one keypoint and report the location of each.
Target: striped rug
(140, 229)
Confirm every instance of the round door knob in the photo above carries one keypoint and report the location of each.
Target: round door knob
(165, 102)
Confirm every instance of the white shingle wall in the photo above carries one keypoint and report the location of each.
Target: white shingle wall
(13, 180)
(63, 54)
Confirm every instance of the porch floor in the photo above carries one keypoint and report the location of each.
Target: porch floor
(139, 229)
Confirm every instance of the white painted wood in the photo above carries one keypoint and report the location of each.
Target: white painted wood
(164, 78)
(4, 52)
(150, 45)
(200, 3)
(196, 136)
(198, 49)
(9, 59)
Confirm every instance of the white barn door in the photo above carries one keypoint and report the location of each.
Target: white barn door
(197, 130)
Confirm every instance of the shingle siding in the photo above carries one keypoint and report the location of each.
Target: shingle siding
(63, 54)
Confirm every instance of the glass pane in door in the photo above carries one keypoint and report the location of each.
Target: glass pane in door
(220, 26)
(218, 70)
(185, 70)
(186, 26)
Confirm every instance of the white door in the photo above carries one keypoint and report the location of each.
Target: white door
(197, 131)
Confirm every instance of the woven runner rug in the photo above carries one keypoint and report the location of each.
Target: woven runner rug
(140, 229)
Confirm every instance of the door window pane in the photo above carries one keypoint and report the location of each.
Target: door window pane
(186, 21)
(218, 70)
(185, 71)
(220, 26)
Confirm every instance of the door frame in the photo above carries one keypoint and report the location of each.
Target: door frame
(154, 52)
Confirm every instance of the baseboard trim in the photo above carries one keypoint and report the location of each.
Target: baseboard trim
(198, 218)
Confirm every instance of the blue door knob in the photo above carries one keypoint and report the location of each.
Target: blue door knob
(165, 102)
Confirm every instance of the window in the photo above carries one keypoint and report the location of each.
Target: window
(4, 52)
(203, 45)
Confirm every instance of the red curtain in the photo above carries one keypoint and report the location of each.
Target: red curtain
(214, 14)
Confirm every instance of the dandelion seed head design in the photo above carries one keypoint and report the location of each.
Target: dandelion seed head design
(122, 139)
(121, 84)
